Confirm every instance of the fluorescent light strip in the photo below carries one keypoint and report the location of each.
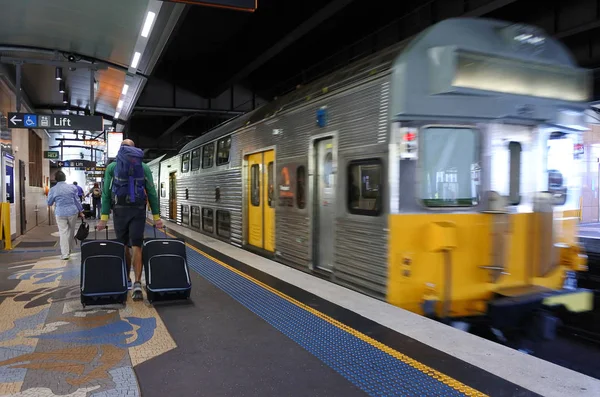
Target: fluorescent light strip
(120, 104)
(148, 24)
(136, 59)
(125, 89)
(117, 114)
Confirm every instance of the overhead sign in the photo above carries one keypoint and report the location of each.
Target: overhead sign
(242, 5)
(76, 164)
(95, 169)
(63, 122)
(113, 143)
(51, 154)
(93, 142)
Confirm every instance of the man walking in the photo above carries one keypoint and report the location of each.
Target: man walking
(128, 184)
(79, 192)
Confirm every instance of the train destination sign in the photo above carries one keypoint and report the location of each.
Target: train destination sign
(63, 122)
(51, 154)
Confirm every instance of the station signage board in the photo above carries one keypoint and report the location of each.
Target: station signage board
(241, 5)
(76, 164)
(63, 122)
(51, 154)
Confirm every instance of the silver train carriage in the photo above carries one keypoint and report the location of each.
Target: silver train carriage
(438, 174)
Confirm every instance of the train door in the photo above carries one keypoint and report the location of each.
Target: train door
(261, 211)
(324, 204)
(172, 196)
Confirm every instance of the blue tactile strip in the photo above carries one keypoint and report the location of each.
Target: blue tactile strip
(366, 365)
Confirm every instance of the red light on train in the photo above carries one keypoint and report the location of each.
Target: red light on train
(410, 136)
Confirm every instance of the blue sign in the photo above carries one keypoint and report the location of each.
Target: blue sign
(30, 120)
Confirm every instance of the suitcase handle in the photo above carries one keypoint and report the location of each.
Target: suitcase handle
(96, 233)
(165, 231)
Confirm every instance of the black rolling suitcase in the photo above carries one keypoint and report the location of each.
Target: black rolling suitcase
(166, 268)
(103, 272)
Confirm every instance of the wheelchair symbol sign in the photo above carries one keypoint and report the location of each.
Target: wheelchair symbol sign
(30, 120)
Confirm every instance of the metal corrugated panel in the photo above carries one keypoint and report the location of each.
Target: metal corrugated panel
(201, 188)
(293, 238)
(361, 254)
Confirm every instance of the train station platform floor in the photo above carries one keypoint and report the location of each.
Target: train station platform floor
(252, 327)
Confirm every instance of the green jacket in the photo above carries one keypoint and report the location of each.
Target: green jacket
(107, 191)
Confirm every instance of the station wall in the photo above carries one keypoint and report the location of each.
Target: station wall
(36, 168)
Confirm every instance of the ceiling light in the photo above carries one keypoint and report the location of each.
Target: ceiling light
(125, 89)
(120, 104)
(117, 114)
(148, 24)
(58, 73)
(65, 98)
(61, 86)
(136, 59)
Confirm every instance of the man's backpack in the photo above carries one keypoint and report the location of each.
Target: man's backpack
(96, 193)
(129, 181)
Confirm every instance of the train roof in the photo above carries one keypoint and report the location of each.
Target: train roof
(480, 35)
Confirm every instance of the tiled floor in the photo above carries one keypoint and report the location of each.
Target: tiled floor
(50, 346)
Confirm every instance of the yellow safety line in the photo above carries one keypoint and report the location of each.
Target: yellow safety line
(451, 382)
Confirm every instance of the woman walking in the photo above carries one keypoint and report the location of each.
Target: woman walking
(68, 209)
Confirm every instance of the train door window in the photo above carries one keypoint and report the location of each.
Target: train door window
(195, 216)
(255, 185)
(560, 165)
(208, 220)
(223, 223)
(270, 184)
(185, 162)
(185, 215)
(208, 154)
(163, 191)
(365, 187)
(300, 187)
(514, 188)
(195, 159)
(223, 149)
(448, 156)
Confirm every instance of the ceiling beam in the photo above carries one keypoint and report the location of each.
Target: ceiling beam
(315, 20)
(182, 111)
(489, 7)
(172, 128)
(579, 29)
(71, 108)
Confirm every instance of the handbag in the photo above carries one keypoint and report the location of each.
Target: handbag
(83, 231)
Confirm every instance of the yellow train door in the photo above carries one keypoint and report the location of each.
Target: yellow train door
(268, 194)
(260, 192)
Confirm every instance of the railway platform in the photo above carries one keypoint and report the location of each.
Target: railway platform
(252, 327)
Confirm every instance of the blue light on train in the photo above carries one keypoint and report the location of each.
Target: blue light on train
(322, 116)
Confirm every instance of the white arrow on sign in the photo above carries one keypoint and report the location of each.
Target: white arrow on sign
(14, 119)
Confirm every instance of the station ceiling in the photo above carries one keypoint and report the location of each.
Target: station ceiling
(202, 65)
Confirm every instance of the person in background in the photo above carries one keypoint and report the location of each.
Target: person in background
(68, 208)
(96, 194)
(129, 180)
(79, 192)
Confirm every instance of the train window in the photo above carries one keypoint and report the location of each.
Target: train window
(223, 223)
(208, 154)
(223, 149)
(514, 193)
(560, 162)
(255, 185)
(364, 187)
(270, 184)
(300, 187)
(447, 159)
(195, 217)
(195, 159)
(185, 162)
(208, 220)
(185, 214)
(163, 191)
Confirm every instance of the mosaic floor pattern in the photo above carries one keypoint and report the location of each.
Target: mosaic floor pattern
(51, 346)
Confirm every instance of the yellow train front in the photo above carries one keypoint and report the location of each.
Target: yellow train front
(439, 175)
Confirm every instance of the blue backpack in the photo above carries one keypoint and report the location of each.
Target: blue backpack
(129, 181)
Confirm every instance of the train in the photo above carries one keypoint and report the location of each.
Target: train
(438, 174)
